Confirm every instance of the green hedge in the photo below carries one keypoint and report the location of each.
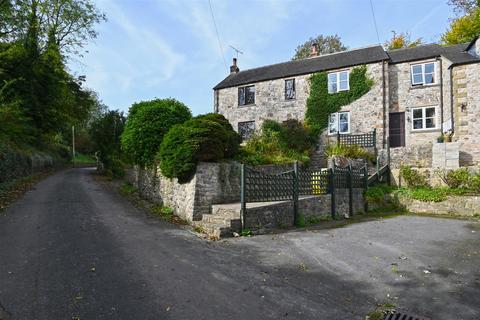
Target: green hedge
(146, 125)
(204, 138)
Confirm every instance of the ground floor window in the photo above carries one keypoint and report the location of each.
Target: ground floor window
(424, 118)
(246, 129)
(339, 122)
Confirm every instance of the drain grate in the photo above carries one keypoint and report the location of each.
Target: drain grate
(403, 316)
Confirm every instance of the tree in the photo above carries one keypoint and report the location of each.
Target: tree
(463, 29)
(325, 44)
(402, 40)
(463, 7)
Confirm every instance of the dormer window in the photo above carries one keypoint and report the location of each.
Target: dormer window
(423, 73)
(338, 81)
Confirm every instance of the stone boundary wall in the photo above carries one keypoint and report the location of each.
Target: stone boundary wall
(465, 206)
(213, 183)
(280, 215)
(16, 164)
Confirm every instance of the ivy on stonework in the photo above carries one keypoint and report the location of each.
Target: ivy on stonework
(320, 103)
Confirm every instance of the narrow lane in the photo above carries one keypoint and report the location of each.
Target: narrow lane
(73, 249)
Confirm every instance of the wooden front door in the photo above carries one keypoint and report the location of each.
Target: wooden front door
(397, 129)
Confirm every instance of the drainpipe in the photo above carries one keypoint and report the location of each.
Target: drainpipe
(451, 99)
(441, 92)
(384, 105)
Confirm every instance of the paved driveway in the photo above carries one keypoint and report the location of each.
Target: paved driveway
(73, 249)
(428, 266)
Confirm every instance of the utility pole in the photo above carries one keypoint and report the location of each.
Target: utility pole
(73, 146)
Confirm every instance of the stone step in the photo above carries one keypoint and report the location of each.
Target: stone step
(216, 231)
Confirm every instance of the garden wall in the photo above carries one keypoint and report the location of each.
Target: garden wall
(280, 215)
(213, 183)
(16, 164)
(466, 206)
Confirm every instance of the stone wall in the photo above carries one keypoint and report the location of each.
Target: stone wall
(280, 215)
(270, 102)
(466, 206)
(366, 113)
(213, 183)
(403, 97)
(16, 163)
(466, 86)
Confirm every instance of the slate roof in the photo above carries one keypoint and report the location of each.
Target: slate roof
(305, 66)
(456, 54)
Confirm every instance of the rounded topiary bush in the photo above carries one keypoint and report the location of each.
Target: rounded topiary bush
(147, 123)
(204, 138)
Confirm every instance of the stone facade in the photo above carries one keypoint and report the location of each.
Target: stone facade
(466, 106)
(213, 183)
(455, 95)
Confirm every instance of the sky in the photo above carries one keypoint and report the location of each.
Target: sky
(169, 48)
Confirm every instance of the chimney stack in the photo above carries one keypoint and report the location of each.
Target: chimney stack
(314, 52)
(233, 67)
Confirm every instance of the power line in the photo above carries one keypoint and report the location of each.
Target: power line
(218, 36)
(374, 21)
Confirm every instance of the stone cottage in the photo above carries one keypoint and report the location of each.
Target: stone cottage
(417, 94)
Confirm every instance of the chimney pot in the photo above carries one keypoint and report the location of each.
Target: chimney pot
(233, 67)
(314, 52)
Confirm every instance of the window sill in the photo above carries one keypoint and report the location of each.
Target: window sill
(424, 86)
(425, 130)
(335, 134)
(247, 105)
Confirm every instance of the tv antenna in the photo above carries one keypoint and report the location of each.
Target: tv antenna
(236, 50)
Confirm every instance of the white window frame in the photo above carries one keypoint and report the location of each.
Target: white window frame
(337, 76)
(423, 83)
(424, 118)
(337, 114)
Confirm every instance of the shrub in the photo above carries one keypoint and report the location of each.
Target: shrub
(348, 151)
(146, 126)
(278, 143)
(456, 178)
(204, 138)
(413, 178)
(474, 183)
(377, 193)
(426, 194)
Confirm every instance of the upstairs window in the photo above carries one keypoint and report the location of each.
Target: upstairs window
(289, 89)
(423, 73)
(338, 81)
(424, 118)
(339, 122)
(246, 129)
(246, 95)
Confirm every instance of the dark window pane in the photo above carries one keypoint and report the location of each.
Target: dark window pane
(417, 114)
(241, 96)
(430, 112)
(429, 68)
(417, 69)
(417, 79)
(246, 129)
(429, 78)
(250, 95)
(417, 124)
(290, 89)
(430, 123)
